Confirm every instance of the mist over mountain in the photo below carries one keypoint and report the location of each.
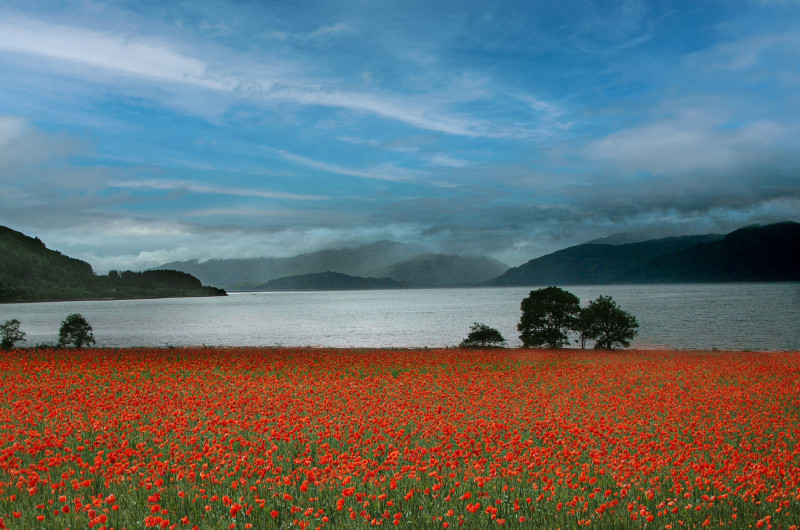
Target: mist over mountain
(767, 253)
(446, 270)
(407, 264)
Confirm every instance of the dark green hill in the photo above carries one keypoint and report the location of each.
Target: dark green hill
(327, 281)
(596, 263)
(753, 254)
(30, 272)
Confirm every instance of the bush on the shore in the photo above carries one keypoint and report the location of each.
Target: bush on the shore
(482, 336)
(10, 334)
(75, 330)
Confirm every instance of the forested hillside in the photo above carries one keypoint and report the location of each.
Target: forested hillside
(30, 272)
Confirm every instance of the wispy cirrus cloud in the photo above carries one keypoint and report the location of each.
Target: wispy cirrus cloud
(210, 189)
(153, 60)
(387, 172)
(511, 128)
(132, 56)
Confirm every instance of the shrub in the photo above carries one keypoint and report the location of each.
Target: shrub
(75, 330)
(10, 334)
(482, 336)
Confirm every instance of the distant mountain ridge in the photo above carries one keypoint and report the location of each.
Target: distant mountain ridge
(406, 264)
(30, 272)
(759, 253)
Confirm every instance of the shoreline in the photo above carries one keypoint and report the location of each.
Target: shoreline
(400, 349)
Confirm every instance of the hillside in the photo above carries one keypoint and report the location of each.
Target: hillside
(327, 281)
(593, 263)
(752, 254)
(767, 253)
(30, 272)
(407, 264)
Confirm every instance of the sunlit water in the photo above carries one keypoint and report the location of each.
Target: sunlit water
(684, 316)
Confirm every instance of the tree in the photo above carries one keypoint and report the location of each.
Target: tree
(547, 315)
(75, 330)
(10, 334)
(583, 328)
(606, 323)
(482, 336)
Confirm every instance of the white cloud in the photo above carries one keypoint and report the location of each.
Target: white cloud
(604, 32)
(412, 111)
(129, 243)
(449, 161)
(332, 29)
(214, 189)
(387, 172)
(747, 53)
(24, 146)
(137, 57)
(154, 60)
(11, 128)
(693, 142)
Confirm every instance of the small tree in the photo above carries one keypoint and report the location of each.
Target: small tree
(606, 323)
(10, 334)
(75, 330)
(547, 315)
(482, 336)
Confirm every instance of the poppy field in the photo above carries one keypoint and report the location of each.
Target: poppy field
(316, 438)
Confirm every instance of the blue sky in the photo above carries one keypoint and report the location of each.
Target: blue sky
(134, 133)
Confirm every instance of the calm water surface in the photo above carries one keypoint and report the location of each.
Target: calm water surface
(684, 316)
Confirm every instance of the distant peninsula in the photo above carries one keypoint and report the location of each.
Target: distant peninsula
(328, 281)
(30, 272)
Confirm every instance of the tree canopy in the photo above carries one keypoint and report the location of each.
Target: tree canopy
(75, 330)
(547, 316)
(482, 336)
(10, 334)
(606, 323)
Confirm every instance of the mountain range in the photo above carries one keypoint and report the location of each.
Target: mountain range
(756, 253)
(407, 265)
(29, 271)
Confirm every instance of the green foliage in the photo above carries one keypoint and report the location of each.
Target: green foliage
(482, 336)
(606, 323)
(547, 316)
(75, 330)
(10, 334)
(29, 271)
